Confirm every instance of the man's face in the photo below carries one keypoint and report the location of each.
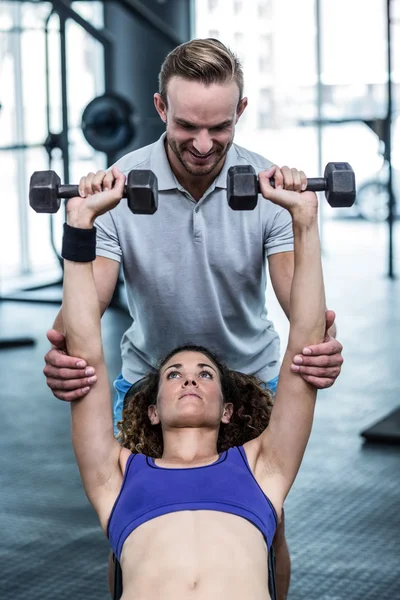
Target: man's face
(200, 122)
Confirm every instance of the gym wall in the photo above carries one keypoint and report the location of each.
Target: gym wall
(139, 51)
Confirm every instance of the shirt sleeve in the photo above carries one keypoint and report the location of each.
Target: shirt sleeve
(279, 236)
(107, 241)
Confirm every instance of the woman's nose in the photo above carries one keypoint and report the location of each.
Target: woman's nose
(190, 381)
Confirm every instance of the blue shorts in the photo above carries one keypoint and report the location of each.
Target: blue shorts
(121, 387)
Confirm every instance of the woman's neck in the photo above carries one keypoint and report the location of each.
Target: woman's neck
(190, 446)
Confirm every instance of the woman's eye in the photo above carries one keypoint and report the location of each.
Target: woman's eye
(202, 374)
(207, 373)
(171, 373)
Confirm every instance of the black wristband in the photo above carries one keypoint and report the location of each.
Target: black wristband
(79, 245)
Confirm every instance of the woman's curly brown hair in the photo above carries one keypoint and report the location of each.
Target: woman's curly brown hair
(252, 406)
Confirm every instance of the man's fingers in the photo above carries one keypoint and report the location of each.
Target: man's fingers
(330, 347)
(329, 372)
(323, 360)
(56, 339)
(330, 317)
(56, 358)
(61, 385)
(71, 396)
(56, 373)
(320, 383)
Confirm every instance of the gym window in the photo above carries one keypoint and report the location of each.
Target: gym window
(237, 6)
(25, 246)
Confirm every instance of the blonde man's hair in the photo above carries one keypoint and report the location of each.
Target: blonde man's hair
(205, 60)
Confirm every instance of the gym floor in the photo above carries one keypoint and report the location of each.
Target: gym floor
(343, 518)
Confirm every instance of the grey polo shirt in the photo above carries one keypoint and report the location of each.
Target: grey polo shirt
(195, 272)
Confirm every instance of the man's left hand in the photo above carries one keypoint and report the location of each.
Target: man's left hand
(321, 364)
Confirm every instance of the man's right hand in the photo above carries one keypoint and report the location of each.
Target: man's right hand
(69, 378)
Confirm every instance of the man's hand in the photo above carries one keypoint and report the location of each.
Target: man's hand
(321, 364)
(68, 378)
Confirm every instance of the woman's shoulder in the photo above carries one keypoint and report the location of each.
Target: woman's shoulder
(124, 457)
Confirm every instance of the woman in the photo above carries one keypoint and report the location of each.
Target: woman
(252, 404)
(194, 521)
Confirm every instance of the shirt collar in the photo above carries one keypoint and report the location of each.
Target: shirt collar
(160, 166)
(230, 160)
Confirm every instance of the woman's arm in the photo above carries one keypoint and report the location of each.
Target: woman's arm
(282, 444)
(96, 449)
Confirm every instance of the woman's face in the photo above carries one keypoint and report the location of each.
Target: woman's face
(189, 393)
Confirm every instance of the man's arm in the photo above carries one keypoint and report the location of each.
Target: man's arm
(281, 269)
(319, 365)
(70, 377)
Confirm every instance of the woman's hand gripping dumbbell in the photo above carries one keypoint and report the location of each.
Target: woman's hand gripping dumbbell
(46, 190)
(70, 378)
(338, 183)
(97, 194)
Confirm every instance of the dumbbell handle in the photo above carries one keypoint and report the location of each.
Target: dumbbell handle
(70, 191)
(314, 184)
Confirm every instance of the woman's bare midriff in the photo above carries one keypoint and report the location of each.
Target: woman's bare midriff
(199, 554)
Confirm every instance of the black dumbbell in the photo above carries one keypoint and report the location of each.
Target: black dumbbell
(46, 191)
(338, 183)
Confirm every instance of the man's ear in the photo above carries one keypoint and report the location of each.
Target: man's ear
(161, 107)
(153, 414)
(240, 109)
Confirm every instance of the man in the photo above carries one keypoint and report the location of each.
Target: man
(195, 270)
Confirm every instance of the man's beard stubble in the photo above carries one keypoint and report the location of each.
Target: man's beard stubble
(220, 153)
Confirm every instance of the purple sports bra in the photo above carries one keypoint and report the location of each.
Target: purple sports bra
(227, 485)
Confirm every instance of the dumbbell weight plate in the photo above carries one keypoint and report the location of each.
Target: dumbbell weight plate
(142, 192)
(340, 178)
(242, 187)
(338, 184)
(46, 191)
(107, 123)
(43, 192)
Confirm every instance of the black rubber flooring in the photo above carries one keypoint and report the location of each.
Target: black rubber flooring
(343, 513)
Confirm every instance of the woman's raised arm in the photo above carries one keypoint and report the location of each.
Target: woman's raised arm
(282, 444)
(95, 446)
